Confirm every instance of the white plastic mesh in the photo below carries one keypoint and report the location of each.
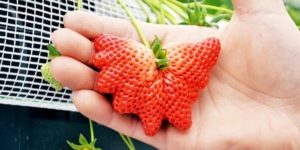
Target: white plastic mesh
(25, 29)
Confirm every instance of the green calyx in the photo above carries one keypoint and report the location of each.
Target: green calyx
(46, 70)
(84, 144)
(160, 54)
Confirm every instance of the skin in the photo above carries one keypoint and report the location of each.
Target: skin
(253, 97)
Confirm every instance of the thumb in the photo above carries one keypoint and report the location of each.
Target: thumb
(257, 6)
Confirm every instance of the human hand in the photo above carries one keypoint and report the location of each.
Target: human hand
(250, 102)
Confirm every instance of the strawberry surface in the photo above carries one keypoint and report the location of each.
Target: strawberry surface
(129, 71)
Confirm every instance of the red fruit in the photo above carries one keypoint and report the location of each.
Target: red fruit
(129, 72)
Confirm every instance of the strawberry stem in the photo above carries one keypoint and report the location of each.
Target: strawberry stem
(91, 130)
(176, 9)
(193, 5)
(127, 141)
(158, 8)
(170, 17)
(162, 12)
(178, 4)
(79, 4)
(134, 23)
(155, 11)
(141, 3)
(200, 4)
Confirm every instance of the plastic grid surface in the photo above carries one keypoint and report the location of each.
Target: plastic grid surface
(25, 29)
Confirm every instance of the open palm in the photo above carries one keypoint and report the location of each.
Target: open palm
(251, 102)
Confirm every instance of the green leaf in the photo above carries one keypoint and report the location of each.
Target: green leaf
(162, 64)
(161, 54)
(155, 46)
(163, 67)
(52, 51)
(74, 146)
(202, 19)
(197, 16)
(227, 4)
(83, 140)
(294, 13)
(214, 3)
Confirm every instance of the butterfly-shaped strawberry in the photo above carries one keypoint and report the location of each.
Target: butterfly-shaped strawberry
(154, 84)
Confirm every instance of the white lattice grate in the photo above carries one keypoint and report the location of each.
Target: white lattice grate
(25, 29)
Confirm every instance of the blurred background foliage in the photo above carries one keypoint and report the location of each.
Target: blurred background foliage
(293, 7)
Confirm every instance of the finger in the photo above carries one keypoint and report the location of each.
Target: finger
(97, 108)
(72, 73)
(72, 44)
(91, 25)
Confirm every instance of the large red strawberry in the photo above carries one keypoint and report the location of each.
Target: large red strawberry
(154, 84)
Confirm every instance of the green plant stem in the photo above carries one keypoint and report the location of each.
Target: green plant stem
(127, 141)
(163, 11)
(170, 17)
(176, 9)
(134, 23)
(155, 11)
(178, 4)
(91, 130)
(79, 4)
(160, 12)
(130, 142)
(141, 3)
(192, 5)
(298, 27)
